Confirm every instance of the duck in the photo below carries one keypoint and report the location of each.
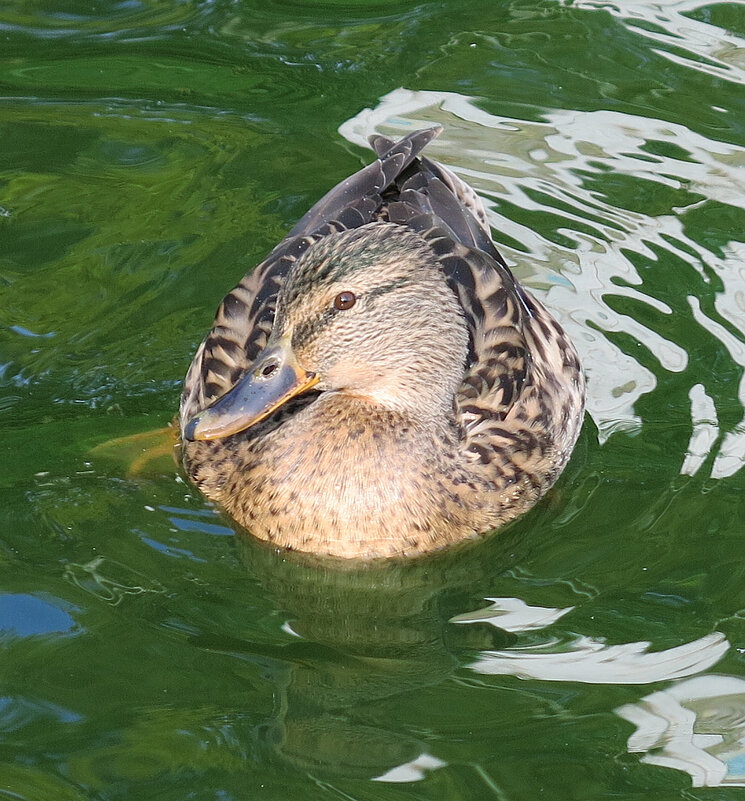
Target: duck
(381, 386)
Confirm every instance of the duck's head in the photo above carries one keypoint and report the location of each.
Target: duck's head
(365, 312)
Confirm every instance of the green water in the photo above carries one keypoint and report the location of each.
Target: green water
(150, 153)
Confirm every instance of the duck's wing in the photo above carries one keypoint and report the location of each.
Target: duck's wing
(521, 401)
(500, 365)
(521, 394)
(498, 314)
(519, 405)
(244, 318)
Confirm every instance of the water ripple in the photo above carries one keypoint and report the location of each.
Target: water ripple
(686, 32)
(107, 20)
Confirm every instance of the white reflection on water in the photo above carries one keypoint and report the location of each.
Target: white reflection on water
(585, 659)
(697, 726)
(592, 661)
(714, 50)
(512, 614)
(705, 430)
(412, 771)
(545, 167)
(731, 455)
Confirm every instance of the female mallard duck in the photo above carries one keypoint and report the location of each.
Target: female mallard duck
(381, 385)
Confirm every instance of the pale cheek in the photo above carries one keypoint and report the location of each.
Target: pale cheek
(348, 375)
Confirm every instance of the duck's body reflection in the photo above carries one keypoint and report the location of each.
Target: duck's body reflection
(366, 638)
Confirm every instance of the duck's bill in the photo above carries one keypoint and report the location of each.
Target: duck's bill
(274, 378)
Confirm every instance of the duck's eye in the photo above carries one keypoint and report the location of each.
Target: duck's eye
(344, 301)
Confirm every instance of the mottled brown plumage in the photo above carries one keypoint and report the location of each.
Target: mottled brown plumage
(443, 402)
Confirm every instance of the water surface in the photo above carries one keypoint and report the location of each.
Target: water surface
(150, 154)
